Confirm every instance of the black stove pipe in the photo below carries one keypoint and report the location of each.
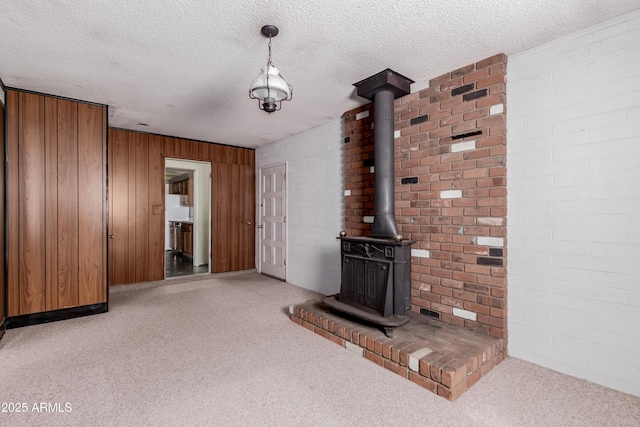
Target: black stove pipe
(384, 222)
(382, 88)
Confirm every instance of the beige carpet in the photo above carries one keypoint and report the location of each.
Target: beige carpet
(223, 352)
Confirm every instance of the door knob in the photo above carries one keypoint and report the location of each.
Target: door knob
(111, 236)
(248, 222)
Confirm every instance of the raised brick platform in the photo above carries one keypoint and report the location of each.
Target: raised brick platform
(443, 358)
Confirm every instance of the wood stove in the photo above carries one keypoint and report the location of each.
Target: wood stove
(376, 270)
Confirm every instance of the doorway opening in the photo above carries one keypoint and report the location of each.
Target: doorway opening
(187, 217)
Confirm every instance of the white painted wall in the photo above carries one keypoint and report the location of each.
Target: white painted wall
(574, 204)
(315, 203)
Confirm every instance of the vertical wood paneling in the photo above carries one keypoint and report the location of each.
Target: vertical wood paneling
(245, 221)
(91, 212)
(3, 311)
(216, 154)
(156, 201)
(183, 150)
(248, 246)
(232, 199)
(242, 209)
(13, 198)
(203, 150)
(223, 188)
(215, 217)
(51, 219)
(32, 184)
(131, 203)
(235, 217)
(111, 253)
(67, 223)
(119, 206)
(194, 149)
(56, 184)
(231, 155)
(171, 147)
(105, 199)
(141, 243)
(56, 245)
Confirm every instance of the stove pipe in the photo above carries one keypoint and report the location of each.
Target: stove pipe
(382, 89)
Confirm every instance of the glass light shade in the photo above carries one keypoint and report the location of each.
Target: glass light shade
(278, 89)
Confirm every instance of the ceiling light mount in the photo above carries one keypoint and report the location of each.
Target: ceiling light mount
(269, 88)
(269, 31)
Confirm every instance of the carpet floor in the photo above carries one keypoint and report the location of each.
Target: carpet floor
(222, 351)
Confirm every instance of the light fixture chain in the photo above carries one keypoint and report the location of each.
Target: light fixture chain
(269, 64)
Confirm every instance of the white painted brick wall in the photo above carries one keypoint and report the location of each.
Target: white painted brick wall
(574, 204)
(315, 203)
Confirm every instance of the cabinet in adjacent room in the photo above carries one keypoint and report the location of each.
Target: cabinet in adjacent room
(183, 185)
(187, 238)
(56, 204)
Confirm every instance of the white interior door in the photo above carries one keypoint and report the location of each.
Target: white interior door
(273, 227)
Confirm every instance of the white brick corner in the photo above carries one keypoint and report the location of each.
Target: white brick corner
(496, 109)
(355, 349)
(490, 241)
(414, 358)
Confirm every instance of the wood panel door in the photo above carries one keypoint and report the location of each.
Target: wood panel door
(121, 213)
(56, 216)
(232, 217)
(92, 203)
(136, 208)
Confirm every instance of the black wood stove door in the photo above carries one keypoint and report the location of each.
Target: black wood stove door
(367, 282)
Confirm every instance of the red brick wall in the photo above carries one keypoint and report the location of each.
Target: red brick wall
(450, 191)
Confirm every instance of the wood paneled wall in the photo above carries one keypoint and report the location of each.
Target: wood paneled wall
(3, 312)
(136, 204)
(56, 194)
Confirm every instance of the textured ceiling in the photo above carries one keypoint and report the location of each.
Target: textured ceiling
(184, 67)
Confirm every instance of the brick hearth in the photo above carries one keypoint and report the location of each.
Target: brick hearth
(441, 357)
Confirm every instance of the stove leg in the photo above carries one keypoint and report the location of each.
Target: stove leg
(388, 332)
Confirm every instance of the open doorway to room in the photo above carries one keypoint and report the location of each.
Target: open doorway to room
(187, 217)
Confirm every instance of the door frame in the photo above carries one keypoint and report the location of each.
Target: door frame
(259, 218)
(188, 164)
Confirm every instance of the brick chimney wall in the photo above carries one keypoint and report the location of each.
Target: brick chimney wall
(450, 183)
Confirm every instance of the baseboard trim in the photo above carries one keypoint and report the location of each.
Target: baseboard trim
(55, 315)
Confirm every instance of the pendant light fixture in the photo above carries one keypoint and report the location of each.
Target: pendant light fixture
(269, 88)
